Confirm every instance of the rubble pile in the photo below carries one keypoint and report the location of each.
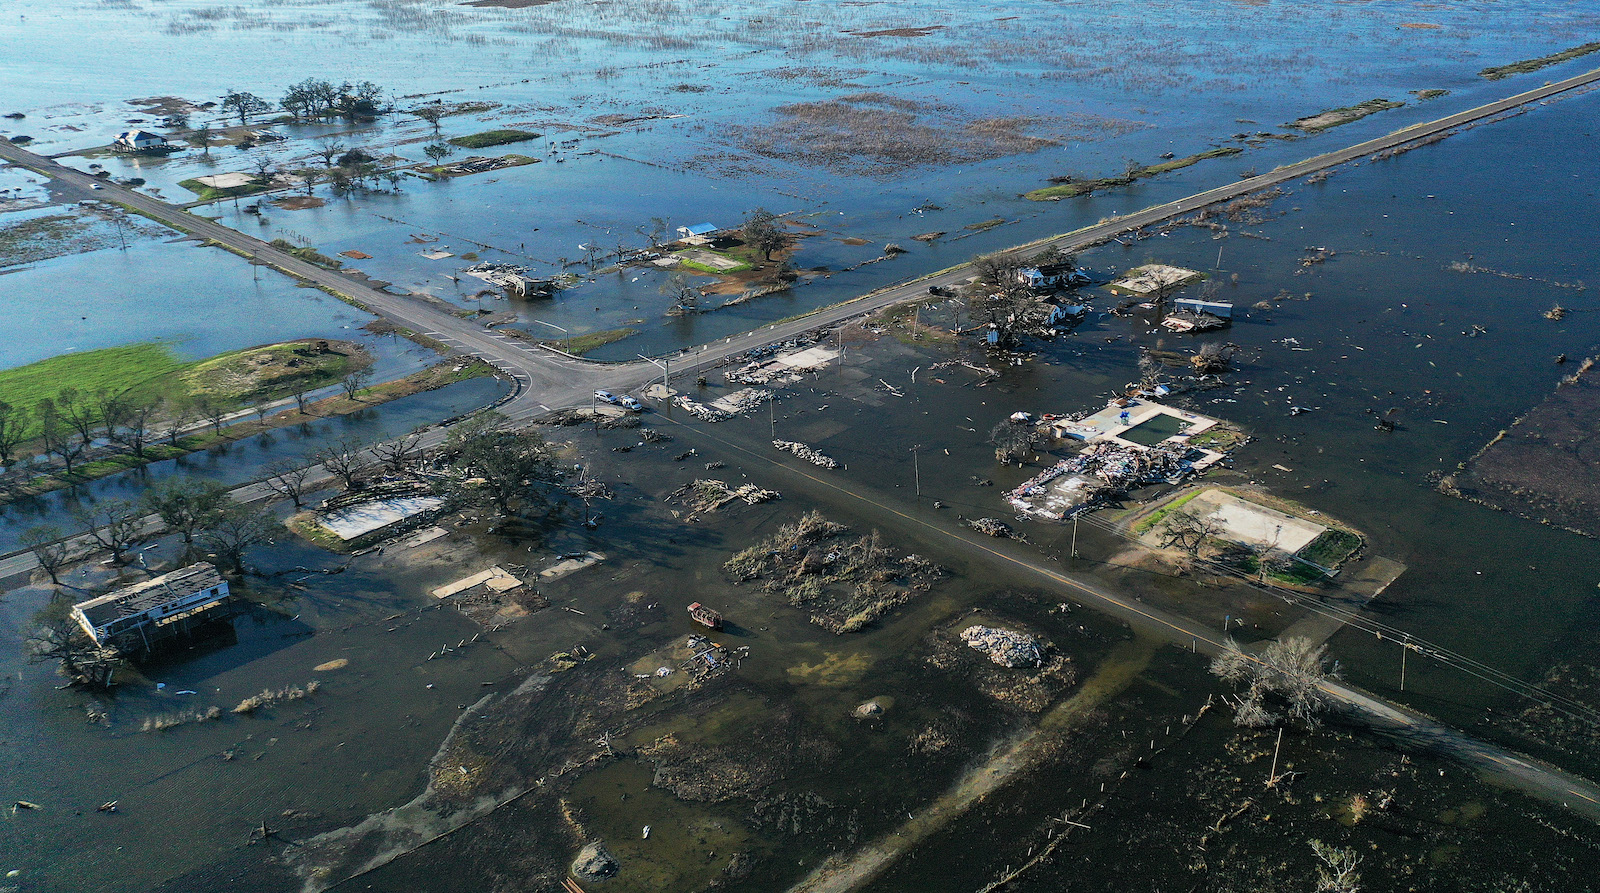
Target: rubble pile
(701, 411)
(1005, 647)
(708, 495)
(993, 527)
(806, 453)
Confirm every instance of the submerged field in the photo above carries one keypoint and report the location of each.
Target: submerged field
(1388, 319)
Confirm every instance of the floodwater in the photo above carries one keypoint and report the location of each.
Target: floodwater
(1383, 324)
(246, 460)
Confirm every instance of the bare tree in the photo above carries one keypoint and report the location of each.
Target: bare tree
(301, 389)
(355, 381)
(212, 410)
(1290, 672)
(431, 113)
(114, 524)
(203, 135)
(309, 178)
(1013, 441)
(58, 637)
(13, 428)
(399, 453)
(1337, 871)
(654, 231)
(136, 419)
(178, 416)
(1188, 530)
(265, 169)
(685, 295)
(186, 504)
(80, 411)
(49, 548)
(235, 530)
(342, 460)
(58, 437)
(328, 150)
(287, 479)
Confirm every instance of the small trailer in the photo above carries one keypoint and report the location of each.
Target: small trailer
(705, 616)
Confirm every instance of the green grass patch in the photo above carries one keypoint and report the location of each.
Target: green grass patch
(211, 193)
(242, 377)
(305, 526)
(1335, 117)
(1073, 188)
(982, 225)
(492, 138)
(1331, 548)
(308, 254)
(1496, 72)
(1160, 514)
(579, 345)
(109, 369)
(1221, 438)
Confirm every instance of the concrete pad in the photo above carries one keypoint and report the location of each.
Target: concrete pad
(226, 181)
(1255, 525)
(810, 358)
(353, 521)
(426, 535)
(496, 578)
(570, 565)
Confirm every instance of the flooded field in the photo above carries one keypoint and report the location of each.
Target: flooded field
(890, 699)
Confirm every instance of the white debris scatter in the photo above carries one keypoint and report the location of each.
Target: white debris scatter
(806, 453)
(1005, 647)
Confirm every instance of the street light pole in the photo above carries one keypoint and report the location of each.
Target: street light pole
(916, 469)
(665, 365)
(563, 331)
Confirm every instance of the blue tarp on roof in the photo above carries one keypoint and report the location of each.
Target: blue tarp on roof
(701, 229)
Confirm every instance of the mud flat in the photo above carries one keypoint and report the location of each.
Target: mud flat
(1546, 466)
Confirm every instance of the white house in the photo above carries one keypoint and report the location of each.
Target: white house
(1050, 276)
(699, 234)
(150, 609)
(140, 141)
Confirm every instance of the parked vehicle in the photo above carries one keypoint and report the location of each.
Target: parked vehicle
(606, 397)
(630, 404)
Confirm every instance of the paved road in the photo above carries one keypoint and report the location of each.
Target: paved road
(547, 379)
(1534, 778)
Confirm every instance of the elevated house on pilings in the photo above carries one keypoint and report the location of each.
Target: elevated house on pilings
(138, 618)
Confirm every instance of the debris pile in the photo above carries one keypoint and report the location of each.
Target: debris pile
(993, 527)
(704, 496)
(844, 582)
(701, 411)
(806, 453)
(1005, 647)
(595, 863)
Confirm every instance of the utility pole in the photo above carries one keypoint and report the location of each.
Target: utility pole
(772, 417)
(1404, 647)
(1075, 534)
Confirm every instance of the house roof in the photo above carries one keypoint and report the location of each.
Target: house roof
(136, 135)
(142, 597)
(700, 229)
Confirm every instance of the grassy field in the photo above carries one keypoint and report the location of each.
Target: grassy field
(208, 193)
(492, 138)
(578, 345)
(1496, 72)
(1072, 188)
(110, 368)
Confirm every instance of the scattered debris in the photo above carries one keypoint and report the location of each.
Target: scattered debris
(994, 527)
(806, 453)
(1005, 647)
(595, 863)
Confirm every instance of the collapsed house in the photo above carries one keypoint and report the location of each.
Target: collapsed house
(139, 617)
(513, 279)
